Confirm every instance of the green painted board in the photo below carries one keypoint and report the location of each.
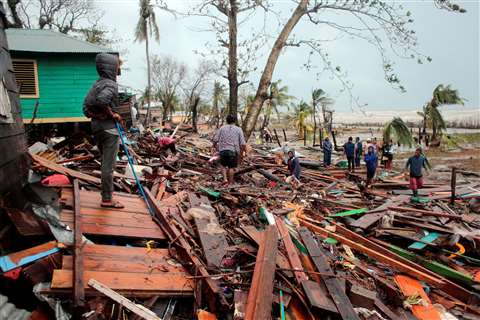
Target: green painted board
(434, 266)
(349, 212)
(210, 192)
(432, 236)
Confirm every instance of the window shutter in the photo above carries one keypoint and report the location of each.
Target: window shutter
(27, 79)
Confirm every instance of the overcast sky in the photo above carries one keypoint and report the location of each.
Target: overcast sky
(451, 40)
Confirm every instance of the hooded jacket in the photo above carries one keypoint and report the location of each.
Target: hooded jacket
(102, 99)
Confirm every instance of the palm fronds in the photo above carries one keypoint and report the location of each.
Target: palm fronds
(146, 24)
(445, 95)
(397, 130)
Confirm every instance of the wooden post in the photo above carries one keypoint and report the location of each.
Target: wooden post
(304, 135)
(320, 136)
(284, 135)
(78, 285)
(453, 184)
(276, 137)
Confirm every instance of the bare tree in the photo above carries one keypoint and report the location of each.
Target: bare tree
(167, 76)
(194, 88)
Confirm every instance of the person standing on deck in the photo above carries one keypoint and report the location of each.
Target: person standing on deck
(230, 143)
(358, 151)
(371, 161)
(327, 152)
(101, 104)
(416, 163)
(349, 151)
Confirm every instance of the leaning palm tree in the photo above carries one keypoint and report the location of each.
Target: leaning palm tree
(432, 117)
(278, 97)
(302, 110)
(147, 27)
(398, 130)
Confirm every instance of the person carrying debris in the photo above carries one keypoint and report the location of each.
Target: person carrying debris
(294, 168)
(101, 104)
(230, 143)
(371, 161)
(358, 151)
(349, 151)
(416, 163)
(327, 152)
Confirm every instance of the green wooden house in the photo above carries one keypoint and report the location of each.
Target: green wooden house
(54, 72)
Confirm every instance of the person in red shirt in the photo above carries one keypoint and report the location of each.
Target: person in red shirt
(167, 143)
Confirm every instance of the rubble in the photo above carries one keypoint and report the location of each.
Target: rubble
(260, 249)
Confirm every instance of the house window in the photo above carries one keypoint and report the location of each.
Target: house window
(27, 77)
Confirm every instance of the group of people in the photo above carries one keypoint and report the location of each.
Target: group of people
(102, 104)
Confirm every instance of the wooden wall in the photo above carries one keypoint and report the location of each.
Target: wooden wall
(13, 157)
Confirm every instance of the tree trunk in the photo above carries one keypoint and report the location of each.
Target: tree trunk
(232, 59)
(262, 90)
(149, 84)
(17, 21)
(194, 108)
(314, 123)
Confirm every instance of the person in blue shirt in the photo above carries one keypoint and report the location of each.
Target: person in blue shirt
(416, 163)
(349, 150)
(327, 152)
(371, 160)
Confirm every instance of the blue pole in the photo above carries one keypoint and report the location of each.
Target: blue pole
(130, 162)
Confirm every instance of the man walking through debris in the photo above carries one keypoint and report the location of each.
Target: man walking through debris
(349, 150)
(371, 164)
(327, 152)
(416, 163)
(100, 105)
(293, 164)
(358, 151)
(230, 143)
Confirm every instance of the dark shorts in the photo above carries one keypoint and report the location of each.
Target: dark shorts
(228, 159)
(370, 174)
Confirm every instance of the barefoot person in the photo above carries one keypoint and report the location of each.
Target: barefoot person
(293, 168)
(101, 104)
(230, 143)
(416, 163)
(327, 152)
(349, 151)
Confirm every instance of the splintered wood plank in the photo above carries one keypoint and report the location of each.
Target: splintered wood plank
(78, 285)
(165, 283)
(27, 224)
(259, 301)
(110, 225)
(212, 235)
(20, 258)
(138, 309)
(337, 293)
(64, 170)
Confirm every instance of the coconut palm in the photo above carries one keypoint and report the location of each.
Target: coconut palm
(432, 117)
(319, 97)
(397, 130)
(147, 27)
(301, 112)
(278, 97)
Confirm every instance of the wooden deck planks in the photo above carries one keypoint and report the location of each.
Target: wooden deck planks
(169, 284)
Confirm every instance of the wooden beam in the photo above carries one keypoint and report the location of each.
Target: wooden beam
(78, 285)
(259, 301)
(139, 310)
(337, 293)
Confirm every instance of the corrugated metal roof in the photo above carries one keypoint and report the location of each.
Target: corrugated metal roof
(35, 40)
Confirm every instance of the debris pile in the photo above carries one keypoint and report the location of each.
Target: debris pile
(259, 249)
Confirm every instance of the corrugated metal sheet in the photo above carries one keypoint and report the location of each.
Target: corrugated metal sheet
(34, 40)
(8, 311)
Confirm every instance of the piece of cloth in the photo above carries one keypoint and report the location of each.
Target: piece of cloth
(229, 159)
(294, 167)
(416, 183)
(349, 148)
(108, 146)
(102, 98)
(416, 164)
(229, 137)
(167, 143)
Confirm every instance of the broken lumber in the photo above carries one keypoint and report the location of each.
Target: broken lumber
(139, 310)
